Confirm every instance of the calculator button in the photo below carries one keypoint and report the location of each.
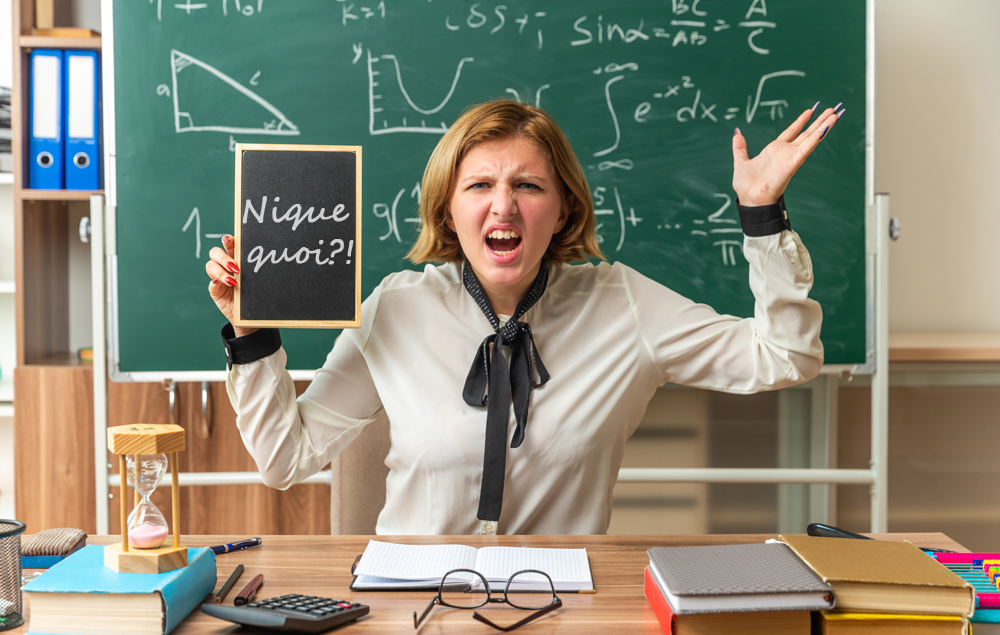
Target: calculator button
(345, 605)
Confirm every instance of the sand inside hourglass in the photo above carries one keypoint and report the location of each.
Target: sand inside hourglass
(147, 528)
(147, 536)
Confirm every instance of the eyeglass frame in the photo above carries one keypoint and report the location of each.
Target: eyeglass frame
(555, 604)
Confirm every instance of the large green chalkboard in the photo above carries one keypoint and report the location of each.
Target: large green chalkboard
(648, 93)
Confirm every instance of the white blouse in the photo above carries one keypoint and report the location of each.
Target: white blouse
(608, 336)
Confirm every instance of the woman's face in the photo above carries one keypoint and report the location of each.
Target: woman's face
(506, 205)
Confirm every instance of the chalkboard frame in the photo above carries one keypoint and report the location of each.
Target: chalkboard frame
(238, 235)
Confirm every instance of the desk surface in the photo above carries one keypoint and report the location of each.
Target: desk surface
(320, 565)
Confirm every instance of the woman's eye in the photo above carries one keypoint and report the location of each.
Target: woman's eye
(530, 186)
(479, 186)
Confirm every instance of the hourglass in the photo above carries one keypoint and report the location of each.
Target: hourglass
(142, 450)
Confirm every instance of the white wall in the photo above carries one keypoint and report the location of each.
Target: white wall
(86, 14)
(938, 156)
(6, 44)
(8, 334)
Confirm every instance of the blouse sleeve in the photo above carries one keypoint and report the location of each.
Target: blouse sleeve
(291, 439)
(779, 346)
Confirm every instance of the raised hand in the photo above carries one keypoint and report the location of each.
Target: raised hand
(220, 268)
(763, 179)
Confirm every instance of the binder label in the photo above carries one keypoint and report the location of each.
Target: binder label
(45, 106)
(81, 95)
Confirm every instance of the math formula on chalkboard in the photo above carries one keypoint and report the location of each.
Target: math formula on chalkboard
(298, 235)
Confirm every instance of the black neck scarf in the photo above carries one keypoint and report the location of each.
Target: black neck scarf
(490, 383)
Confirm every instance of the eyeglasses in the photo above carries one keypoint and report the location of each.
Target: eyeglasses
(529, 590)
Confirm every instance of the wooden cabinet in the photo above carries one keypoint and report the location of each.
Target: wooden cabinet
(54, 417)
(237, 510)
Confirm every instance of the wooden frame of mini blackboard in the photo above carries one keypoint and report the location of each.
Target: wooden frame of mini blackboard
(238, 254)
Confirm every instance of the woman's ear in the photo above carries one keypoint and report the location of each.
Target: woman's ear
(448, 222)
(569, 201)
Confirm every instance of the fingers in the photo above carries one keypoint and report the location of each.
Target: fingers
(739, 148)
(219, 291)
(225, 259)
(216, 271)
(791, 131)
(822, 128)
(230, 244)
(816, 124)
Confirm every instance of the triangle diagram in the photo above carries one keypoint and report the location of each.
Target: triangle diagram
(206, 99)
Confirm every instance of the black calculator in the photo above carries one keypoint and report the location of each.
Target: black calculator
(291, 613)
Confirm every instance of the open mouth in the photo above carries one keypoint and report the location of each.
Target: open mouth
(502, 242)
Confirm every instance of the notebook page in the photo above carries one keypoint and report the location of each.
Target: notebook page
(413, 562)
(568, 568)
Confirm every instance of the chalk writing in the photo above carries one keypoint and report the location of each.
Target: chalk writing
(253, 108)
(382, 69)
(296, 214)
(697, 108)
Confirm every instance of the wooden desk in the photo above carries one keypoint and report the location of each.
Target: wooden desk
(944, 347)
(320, 565)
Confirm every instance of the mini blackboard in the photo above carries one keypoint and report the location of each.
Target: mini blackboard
(298, 236)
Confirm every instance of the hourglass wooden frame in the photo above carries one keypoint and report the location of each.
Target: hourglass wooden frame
(139, 439)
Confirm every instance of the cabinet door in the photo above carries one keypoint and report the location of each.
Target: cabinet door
(54, 447)
(236, 510)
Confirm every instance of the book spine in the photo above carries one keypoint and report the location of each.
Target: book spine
(184, 593)
(658, 603)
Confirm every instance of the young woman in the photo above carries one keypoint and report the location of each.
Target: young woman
(511, 378)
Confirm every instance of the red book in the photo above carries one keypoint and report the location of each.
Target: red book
(751, 623)
(666, 618)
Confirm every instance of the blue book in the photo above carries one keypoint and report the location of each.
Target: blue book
(80, 596)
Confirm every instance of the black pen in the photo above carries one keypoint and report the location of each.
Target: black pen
(221, 595)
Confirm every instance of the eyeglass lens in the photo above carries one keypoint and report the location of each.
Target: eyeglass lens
(530, 590)
(464, 589)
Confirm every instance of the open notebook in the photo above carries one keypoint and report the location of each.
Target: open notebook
(388, 566)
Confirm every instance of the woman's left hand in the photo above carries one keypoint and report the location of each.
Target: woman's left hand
(763, 179)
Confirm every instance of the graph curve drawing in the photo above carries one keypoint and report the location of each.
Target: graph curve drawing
(216, 84)
(385, 70)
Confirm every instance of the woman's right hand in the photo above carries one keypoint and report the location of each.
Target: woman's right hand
(220, 268)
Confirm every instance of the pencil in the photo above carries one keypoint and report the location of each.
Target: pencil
(221, 595)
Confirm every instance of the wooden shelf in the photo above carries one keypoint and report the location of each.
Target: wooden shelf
(41, 41)
(944, 347)
(60, 359)
(58, 195)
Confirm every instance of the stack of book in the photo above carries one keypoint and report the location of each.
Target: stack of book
(745, 589)
(828, 586)
(982, 571)
(885, 587)
(6, 160)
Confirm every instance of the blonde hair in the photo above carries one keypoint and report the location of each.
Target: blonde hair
(494, 121)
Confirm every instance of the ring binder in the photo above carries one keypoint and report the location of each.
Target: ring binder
(46, 129)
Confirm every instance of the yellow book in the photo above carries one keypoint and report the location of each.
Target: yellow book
(837, 623)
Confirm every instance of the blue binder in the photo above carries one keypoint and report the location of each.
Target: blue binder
(82, 90)
(46, 140)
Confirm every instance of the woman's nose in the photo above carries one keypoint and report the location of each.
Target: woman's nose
(503, 202)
